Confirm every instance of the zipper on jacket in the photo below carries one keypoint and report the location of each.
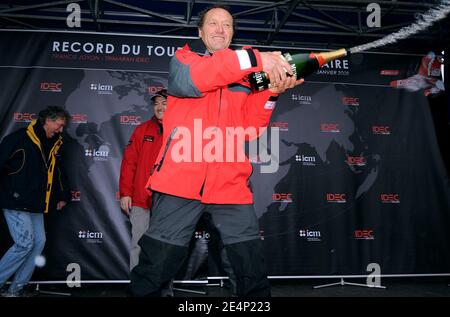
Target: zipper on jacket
(217, 125)
(220, 105)
(60, 180)
(166, 149)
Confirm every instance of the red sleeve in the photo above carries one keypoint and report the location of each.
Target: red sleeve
(129, 163)
(190, 75)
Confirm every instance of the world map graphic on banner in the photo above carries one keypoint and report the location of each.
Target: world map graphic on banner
(123, 96)
(301, 148)
(112, 101)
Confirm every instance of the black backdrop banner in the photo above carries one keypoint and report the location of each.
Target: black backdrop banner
(359, 178)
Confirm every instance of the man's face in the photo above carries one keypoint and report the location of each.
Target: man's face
(159, 106)
(217, 30)
(52, 127)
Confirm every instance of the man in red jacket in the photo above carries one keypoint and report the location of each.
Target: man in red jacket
(209, 99)
(138, 160)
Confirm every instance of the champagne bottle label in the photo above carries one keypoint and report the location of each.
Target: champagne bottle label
(288, 58)
(301, 64)
(259, 81)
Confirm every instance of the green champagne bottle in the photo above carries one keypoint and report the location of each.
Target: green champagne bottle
(302, 65)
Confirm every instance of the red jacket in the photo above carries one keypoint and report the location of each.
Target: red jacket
(214, 89)
(138, 160)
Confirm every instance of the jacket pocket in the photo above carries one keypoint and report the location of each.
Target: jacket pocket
(23, 199)
(16, 162)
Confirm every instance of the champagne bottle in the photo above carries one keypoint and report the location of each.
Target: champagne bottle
(302, 65)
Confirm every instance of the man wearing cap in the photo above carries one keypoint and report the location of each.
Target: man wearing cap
(138, 159)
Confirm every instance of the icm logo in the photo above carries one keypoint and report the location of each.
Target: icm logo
(378, 129)
(329, 127)
(282, 197)
(302, 99)
(51, 87)
(356, 161)
(364, 234)
(202, 235)
(102, 89)
(76, 195)
(338, 67)
(306, 160)
(79, 118)
(24, 116)
(91, 236)
(283, 126)
(310, 235)
(389, 72)
(336, 198)
(100, 154)
(390, 198)
(130, 120)
(350, 101)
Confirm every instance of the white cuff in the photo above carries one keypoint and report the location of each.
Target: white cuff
(244, 59)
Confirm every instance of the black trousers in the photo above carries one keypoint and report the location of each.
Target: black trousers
(164, 246)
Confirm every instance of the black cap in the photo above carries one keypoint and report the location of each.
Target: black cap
(159, 93)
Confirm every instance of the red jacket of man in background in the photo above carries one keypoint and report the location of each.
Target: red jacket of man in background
(138, 160)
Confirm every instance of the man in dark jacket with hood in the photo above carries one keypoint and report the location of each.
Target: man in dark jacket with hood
(31, 184)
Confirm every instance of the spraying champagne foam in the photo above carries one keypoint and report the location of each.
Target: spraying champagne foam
(423, 22)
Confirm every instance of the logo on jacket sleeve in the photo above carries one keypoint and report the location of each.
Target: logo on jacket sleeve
(149, 138)
(270, 105)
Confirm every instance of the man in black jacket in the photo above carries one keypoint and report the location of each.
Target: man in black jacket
(31, 184)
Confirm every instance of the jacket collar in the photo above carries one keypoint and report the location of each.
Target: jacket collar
(36, 133)
(32, 131)
(158, 122)
(199, 47)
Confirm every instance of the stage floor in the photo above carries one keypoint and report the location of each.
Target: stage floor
(395, 287)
